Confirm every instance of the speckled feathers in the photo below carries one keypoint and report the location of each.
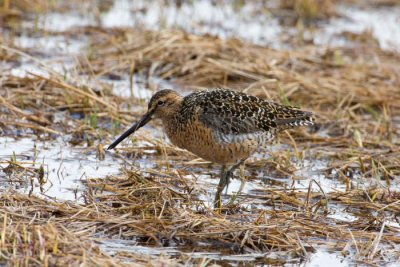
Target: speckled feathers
(221, 126)
(233, 112)
(225, 126)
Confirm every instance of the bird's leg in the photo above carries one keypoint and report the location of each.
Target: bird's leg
(242, 183)
(224, 181)
(221, 186)
(242, 178)
(232, 169)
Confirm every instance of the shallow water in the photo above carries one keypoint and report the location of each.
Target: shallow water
(318, 259)
(253, 22)
(383, 24)
(66, 166)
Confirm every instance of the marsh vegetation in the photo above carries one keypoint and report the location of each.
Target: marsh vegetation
(75, 74)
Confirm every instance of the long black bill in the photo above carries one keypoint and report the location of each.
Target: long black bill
(145, 119)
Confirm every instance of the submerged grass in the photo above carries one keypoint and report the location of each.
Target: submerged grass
(356, 101)
(38, 232)
(156, 212)
(353, 90)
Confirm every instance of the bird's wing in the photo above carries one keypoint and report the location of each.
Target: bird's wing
(231, 112)
(228, 124)
(234, 113)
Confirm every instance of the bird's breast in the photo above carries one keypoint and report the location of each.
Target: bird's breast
(213, 145)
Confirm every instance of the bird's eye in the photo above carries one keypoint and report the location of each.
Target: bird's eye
(160, 103)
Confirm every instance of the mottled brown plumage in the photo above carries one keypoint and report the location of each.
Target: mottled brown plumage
(219, 125)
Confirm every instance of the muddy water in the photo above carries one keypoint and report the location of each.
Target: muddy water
(66, 167)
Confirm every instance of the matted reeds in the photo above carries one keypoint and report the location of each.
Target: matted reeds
(354, 91)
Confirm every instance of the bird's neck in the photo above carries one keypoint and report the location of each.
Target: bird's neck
(170, 115)
(171, 123)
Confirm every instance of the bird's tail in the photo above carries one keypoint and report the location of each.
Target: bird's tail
(290, 117)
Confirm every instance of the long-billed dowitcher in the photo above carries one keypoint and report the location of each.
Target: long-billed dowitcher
(221, 126)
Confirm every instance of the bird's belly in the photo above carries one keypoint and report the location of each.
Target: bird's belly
(215, 146)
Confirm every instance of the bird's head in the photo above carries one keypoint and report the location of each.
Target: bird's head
(162, 104)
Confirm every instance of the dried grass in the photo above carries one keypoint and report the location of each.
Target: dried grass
(354, 92)
(163, 212)
(38, 232)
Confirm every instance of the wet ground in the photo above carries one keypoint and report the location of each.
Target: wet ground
(66, 166)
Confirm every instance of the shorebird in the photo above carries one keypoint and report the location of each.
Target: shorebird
(219, 125)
